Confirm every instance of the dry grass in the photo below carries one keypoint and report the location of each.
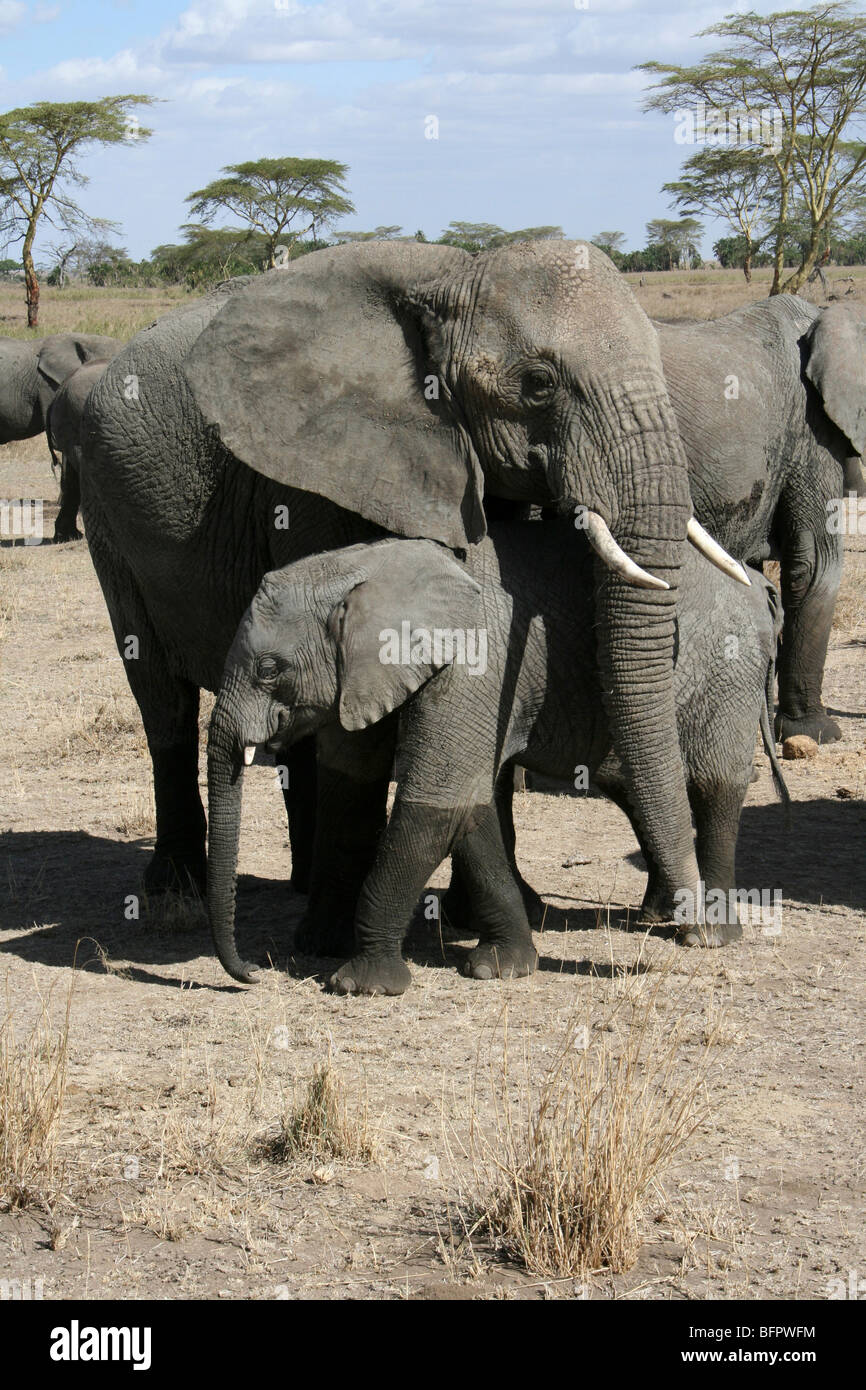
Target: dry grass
(322, 1126)
(564, 1176)
(117, 313)
(136, 814)
(707, 294)
(116, 726)
(849, 617)
(32, 1086)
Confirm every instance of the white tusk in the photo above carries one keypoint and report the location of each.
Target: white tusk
(715, 553)
(249, 754)
(603, 543)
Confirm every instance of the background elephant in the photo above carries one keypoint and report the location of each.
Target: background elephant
(63, 420)
(339, 642)
(394, 383)
(31, 370)
(771, 405)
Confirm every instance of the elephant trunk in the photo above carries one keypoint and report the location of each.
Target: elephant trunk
(225, 787)
(636, 632)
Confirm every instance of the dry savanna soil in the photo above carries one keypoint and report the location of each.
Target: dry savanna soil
(166, 1134)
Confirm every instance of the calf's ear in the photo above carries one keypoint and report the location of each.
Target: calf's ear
(836, 366)
(401, 625)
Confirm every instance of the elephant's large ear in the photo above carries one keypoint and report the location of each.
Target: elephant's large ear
(63, 353)
(320, 376)
(401, 625)
(836, 366)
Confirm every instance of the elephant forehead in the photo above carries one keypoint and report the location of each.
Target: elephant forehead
(561, 295)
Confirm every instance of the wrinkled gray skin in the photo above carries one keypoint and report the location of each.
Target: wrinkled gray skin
(764, 465)
(307, 655)
(398, 382)
(31, 370)
(63, 429)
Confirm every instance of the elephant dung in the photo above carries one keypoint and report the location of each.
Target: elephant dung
(799, 746)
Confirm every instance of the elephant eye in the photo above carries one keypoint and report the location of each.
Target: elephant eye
(266, 668)
(537, 385)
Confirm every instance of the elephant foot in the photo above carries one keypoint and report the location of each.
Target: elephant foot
(62, 535)
(499, 961)
(656, 909)
(817, 725)
(710, 935)
(372, 975)
(176, 873)
(324, 932)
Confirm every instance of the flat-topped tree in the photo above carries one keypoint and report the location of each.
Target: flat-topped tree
(282, 199)
(792, 84)
(736, 183)
(39, 149)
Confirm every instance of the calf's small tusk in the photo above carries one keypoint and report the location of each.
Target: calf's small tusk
(600, 538)
(249, 754)
(715, 553)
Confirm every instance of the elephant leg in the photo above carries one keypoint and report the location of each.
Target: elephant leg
(505, 947)
(300, 797)
(416, 840)
(350, 816)
(65, 527)
(811, 564)
(169, 710)
(658, 904)
(717, 810)
(456, 902)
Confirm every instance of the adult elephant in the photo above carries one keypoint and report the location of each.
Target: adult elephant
(372, 389)
(31, 371)
(771, 405)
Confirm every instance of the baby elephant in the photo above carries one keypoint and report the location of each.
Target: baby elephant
(486, 663)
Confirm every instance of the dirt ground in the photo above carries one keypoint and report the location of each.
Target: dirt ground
(176, 1079)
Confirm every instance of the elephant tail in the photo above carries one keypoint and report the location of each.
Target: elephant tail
(56, 458)
(774, 603)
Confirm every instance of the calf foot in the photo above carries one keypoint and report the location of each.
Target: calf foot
(176, 872)
(372, 975)
(817, 725)
(501, 960)
(710, 935)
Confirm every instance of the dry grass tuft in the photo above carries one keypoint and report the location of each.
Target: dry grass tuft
(114, 727)
(136, 814)
(322, 1126)
(563, 1180)
(32, 1087)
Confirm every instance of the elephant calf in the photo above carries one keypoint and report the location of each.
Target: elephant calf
(486, 663)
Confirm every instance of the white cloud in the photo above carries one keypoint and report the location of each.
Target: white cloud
(12, 13)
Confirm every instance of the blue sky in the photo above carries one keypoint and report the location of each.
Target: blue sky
(538, 108)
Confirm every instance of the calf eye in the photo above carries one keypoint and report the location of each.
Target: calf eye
(266, 668)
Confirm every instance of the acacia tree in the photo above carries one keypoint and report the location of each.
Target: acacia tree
(609, 241)
(486, 236)
(39, 146)
(675, 239)
(738, 185)
(282, 199)
(807, 70)
(389, 233)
